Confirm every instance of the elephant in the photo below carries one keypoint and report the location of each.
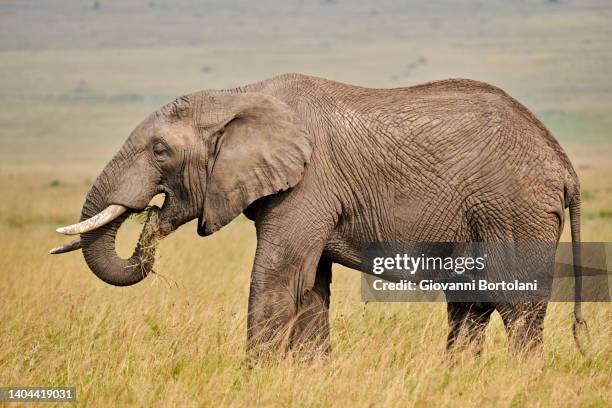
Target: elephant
(323, 168)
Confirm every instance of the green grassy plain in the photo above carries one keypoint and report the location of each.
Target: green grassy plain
(74, 81)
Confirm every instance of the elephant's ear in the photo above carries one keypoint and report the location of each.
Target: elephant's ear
(260, 149)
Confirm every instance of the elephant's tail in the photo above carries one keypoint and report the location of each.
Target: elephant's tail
(579, 324)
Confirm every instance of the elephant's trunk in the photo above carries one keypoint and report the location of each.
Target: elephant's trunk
(99, 245)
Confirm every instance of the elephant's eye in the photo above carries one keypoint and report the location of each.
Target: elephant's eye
(159, 150)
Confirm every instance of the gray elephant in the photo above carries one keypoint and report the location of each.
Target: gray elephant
(323, 169)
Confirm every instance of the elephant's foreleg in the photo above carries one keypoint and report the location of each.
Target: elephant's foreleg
(271, 308)
(288, 299)
(311, 329)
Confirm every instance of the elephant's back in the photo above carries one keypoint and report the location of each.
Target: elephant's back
(470, 143)
(478, 130)
(439, 105)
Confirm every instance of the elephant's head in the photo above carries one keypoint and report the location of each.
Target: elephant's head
(210, 153)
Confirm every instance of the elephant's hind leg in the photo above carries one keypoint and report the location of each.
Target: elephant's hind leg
(524, 324)
(467, 322)
(311, 330)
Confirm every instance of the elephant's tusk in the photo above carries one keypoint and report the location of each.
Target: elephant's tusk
(71, 246)
(107, 215)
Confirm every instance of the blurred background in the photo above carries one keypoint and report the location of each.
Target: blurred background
(77, 76)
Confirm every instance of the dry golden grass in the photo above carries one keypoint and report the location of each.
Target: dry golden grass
(177, 339)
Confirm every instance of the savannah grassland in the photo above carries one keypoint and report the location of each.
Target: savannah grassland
(74, 81)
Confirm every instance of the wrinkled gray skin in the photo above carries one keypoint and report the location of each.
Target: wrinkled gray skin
(324, 168)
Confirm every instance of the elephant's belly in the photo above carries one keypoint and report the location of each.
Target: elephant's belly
(410, 223)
